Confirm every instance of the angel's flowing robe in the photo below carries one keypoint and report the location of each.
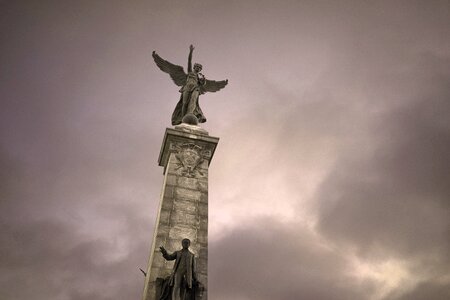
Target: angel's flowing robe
(188, 102)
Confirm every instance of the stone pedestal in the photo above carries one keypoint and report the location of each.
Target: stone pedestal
(185, 156)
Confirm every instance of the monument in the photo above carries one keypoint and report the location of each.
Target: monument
(182, 219)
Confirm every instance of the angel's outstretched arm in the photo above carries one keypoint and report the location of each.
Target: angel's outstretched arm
(191, 48)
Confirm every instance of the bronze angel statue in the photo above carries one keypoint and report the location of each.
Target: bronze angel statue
(193, 84)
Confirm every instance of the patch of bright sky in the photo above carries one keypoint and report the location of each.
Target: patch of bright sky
(391, 276)
(264, 188)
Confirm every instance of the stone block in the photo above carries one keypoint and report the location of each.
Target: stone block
(181, 193)
(160, 240)
(164, 216)
(173, 168)
(185, 206)
(203, 253)
(202, 185)
(178, 233)
(163, 231)
(167, 203)
(158, 260)
(204, 197)
(188, 183)
(171, 179)
(203, 223)
(182, 218)
(154, 273)
(202, 236)
(203, 209)
(202, 278)
(150, 291)
(204, 165)
(168, 191)
(173, 245)
(202, 265)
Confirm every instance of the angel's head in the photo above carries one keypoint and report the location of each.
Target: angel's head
(197, 67)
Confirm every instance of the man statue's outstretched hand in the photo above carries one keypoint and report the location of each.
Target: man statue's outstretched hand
(191, 47)
(162, 249)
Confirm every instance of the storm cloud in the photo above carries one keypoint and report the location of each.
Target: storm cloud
(330, 181)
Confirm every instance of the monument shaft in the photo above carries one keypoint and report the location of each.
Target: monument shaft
(185, 155)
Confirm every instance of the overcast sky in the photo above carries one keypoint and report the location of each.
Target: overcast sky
(331, 179)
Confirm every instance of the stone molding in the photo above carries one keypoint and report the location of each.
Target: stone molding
(177, 141)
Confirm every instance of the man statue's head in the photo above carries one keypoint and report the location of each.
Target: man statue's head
(186, 243)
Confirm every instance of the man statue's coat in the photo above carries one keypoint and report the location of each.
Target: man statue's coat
(191, 267)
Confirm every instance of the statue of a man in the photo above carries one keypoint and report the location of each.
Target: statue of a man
(184, 270)
(193, 84)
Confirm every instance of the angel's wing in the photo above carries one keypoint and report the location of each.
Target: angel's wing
(213, 86)
(176, 72)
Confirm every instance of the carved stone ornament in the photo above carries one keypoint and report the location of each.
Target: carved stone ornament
(189, 156)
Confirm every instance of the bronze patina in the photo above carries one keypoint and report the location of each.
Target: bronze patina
(193, 84)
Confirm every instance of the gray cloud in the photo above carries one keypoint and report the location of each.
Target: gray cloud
(391, 201)
(334, 126)
(428, 290)
(49, 257)
(271, 260)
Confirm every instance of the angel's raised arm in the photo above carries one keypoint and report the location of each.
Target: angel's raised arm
(191, 49)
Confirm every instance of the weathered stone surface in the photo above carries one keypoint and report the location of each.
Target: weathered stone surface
(191, 129)
(181, 218)
(171, 180)
(173, 167)
(164, 216)
(172, 137)
(160, 240)
(189, 183)
(194, 249)
(203, 223)
(168, 191)
(202, 185)
(179, 232)
(204, 197)
(167, 203)
(204, 166)
(158, 261)
(184, 205)
(181, 193)
(202, 278)
(203, 209)
(202, 236)
(202, 263)
(163, 231)
(154, 273)
(203, 252)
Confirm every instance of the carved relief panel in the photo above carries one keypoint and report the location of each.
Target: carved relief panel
(189, 158)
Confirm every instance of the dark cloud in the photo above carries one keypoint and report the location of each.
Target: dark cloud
(69, 228)
(350, 95)
(392, 201)
(428, 290)
(405, 175)
(271, 260)
(50, 258)
(47, 260)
